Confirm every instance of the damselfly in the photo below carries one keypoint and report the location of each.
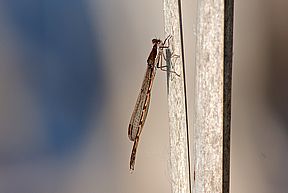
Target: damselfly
(142, 104)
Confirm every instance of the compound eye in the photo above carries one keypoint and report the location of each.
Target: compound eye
(154, 41)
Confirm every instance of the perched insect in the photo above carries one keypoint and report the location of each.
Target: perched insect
(142, 104)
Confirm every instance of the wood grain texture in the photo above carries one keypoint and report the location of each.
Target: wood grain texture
(179, 140)
(213, 96)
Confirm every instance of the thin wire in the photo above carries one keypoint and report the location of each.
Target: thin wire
(185, 92)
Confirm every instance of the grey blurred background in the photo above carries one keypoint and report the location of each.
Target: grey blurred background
(70, 73)
(259, 121)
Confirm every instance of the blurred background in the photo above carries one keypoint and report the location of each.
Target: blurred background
(70, 73)
(259, 112)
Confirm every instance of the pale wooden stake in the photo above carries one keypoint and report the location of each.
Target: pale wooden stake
(211, 156)
(179, 147)
(211, 124)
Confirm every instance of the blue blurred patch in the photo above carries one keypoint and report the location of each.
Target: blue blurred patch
(62, 66)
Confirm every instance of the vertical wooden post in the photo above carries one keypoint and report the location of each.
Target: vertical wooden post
(213, 96)
(178, 122)
(211, 136)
